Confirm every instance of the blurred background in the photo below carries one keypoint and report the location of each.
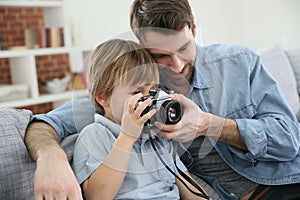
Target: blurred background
(45, 44)
(254, 23)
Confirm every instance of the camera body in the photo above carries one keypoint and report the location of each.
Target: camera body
(168, 111)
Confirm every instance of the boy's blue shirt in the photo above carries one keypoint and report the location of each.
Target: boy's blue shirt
(146, 177)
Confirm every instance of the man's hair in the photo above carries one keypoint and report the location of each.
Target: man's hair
(160, 15)
(116, 62)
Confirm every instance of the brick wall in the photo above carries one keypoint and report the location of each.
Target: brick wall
(39, 108)
(13, 22)
(5, 77)
(51, 66)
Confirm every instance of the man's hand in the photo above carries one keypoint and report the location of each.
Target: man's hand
(194, 122)
(54, 178)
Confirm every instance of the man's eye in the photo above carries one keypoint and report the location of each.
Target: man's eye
(158, 56)
(183, 48)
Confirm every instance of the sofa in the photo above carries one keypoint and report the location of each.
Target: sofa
(17, 168)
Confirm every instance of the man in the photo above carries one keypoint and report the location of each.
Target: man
(234, 130)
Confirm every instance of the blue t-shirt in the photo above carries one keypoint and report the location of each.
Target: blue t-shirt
(146, 177)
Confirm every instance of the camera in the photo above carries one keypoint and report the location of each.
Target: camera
(168, 111)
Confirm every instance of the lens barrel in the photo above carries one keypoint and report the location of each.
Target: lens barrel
(170, 112)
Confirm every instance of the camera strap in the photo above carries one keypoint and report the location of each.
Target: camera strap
(201, 193)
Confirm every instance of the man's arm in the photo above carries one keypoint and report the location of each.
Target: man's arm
(39, 138)
(252, 135)
(54, 178)
(225, 130)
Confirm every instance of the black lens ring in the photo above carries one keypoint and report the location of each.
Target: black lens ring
(164, 112)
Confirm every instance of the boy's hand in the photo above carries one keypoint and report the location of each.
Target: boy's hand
(132, 121)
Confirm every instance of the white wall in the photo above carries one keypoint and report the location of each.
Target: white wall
(268, 21)
(219, 20)
(97, 20)
(254, 23)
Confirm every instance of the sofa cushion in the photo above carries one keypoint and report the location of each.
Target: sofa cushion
(277, 63)
(16, 166)
(294, 58)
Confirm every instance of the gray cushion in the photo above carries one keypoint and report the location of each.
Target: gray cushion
(294, 57)
(277, 63)
(16, 166)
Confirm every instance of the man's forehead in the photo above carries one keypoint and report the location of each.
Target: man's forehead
(158, 42)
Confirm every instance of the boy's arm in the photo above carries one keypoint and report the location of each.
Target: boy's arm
(184, 192)
(107, 179)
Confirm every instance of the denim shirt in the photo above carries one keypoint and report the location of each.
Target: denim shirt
(229, 81)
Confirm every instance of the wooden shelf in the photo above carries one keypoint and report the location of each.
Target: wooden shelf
(46, 98)
(33, 3)
(34, 52)
(22, 62)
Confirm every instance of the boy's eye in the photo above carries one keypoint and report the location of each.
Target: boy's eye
(135, 92)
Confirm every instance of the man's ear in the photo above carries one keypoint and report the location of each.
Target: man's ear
(102, 100)
(194, 27)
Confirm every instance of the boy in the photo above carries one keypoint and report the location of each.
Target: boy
(113, 157)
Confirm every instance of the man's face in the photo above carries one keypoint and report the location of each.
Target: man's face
(175, 54)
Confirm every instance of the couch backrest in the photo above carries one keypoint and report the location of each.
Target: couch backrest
(277, 63)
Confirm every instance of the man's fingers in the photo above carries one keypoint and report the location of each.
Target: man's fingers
(166, 127)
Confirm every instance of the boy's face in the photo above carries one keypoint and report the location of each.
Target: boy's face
(116, 102)
(175, 54)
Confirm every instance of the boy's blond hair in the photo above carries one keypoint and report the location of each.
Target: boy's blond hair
(119, 61)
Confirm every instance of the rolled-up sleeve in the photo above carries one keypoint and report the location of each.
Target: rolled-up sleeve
(69, 118)
(272, 133)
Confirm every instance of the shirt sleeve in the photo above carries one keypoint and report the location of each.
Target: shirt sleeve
(272, 125)
(69, 118)
(91, 149)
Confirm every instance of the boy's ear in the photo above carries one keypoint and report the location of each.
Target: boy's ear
(102, 100)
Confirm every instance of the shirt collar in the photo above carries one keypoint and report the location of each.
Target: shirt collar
(201, 75)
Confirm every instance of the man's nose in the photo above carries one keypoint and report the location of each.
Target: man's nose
(177, 63)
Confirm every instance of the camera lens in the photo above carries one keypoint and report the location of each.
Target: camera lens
(170, 112)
